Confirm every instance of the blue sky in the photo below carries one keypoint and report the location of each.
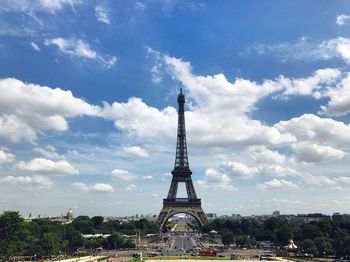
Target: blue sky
(88, 105)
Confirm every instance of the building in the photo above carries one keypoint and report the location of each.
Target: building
(211, 216)
(341, 217)
(276, 213)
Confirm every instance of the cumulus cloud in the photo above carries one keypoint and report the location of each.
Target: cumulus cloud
(137, 118)
(316, 130)
(98, 187)
(342, 46)
(339, 102)
(238, 169)
(308, 152)
(265, 155)
(28, 108)
(124, 175)
(276, 184)
(278, 171)
(79, 48)
(45, 165)
(6, 157)
(136, 150)
(214, 180)
(81, 186)
(342, 19)
(219, 113)
(102, 15)
(32, 182)
(101, 187)
(312, 85)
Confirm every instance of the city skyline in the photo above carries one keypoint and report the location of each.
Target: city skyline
(89, 113)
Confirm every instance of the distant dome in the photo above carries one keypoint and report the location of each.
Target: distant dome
(70, 215)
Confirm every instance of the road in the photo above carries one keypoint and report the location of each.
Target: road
(183, 242)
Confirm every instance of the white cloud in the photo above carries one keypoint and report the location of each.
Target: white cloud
(147, 177)
(341, 19)
(339, 103)
(79, 48)
(29, 108)
(266, 168)
(45, 165)
(48, 151)
(303, 50)
(312, 85)
(265, 155)
(276, 184)
(81, 186)
(102, 15)
(316, 130)
(29, 6)
(308, 152)
(15, 130)
(35, 46)
(136, 150)
(214, 180)
(238, 169)
(131, 187)
(123, 175)
(140, 6)
(308, 51)
(135, 117)
(342, 47)
(277, 170)
(33, 182)
(218, 116)
(343, 179)
(101, 187)
(54, 5)
(6, 157)
(318, 180)
(98, 187)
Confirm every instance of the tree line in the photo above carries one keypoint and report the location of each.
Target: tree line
(45, 238)
(319, 238)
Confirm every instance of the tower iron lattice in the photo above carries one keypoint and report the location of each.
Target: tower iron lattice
(181, 174)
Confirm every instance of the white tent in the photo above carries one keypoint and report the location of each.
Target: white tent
(291, 246)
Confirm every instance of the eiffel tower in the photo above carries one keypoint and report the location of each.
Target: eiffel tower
(181, 174)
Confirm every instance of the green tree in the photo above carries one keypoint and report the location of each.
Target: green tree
(114, 241)
(227, 237)
(97, 221)
(12, 235)
(51, 244)
(308, 246)
(284, 234)
(324, 246)
(342, 243)
(83, 224)
(74, 237)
